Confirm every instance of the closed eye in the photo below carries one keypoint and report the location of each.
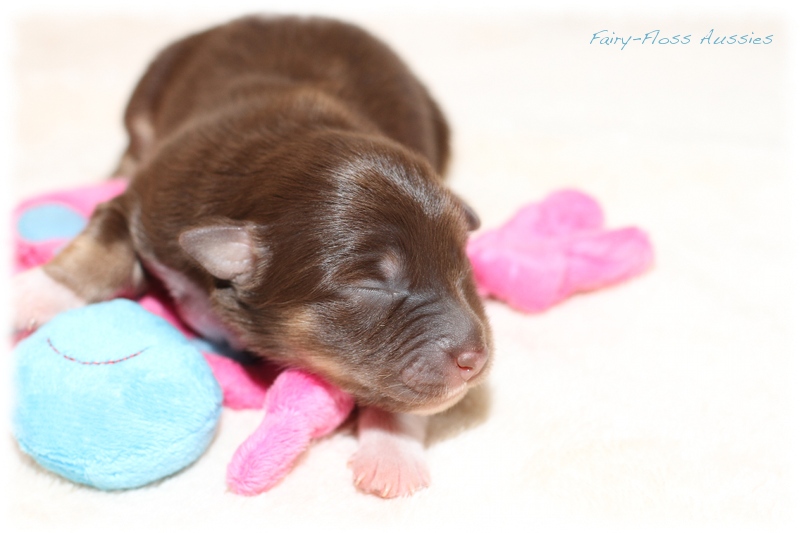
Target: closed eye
(376, 297)
(375, 292)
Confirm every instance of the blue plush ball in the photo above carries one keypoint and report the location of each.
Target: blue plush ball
(112, 396)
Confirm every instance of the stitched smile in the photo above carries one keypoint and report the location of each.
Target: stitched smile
(68, 358)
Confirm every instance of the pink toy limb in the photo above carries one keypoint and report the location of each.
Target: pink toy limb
(82, 200)
(243, 386)
(605, 258)
(299, 407)
(561, 213)
(553, 249)
(529, 279)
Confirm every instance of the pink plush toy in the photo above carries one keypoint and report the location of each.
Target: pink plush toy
(553, 249)
(548, 251)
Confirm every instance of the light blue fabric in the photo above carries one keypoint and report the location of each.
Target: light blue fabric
(50, 221)
(147, 408)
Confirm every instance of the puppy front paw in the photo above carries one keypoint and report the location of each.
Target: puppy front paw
(390, 468)
(390, 460)
(37, 298)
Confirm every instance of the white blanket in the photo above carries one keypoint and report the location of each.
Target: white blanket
(664, 401)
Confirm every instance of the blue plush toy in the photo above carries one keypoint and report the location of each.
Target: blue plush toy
(112, 396)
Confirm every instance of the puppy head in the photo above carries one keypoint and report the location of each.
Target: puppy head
(357, 272)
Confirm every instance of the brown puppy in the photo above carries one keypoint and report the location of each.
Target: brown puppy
(286, 189)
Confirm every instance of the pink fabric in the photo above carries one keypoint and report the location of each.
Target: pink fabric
(555, 248)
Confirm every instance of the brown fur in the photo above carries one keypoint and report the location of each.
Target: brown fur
(317, 144)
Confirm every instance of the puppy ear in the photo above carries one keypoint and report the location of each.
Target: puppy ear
(473, 221)
(226, 251)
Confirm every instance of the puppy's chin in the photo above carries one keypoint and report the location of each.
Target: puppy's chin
(440, 405)
(410, 401)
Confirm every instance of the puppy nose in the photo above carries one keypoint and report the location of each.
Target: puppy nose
(470, 364)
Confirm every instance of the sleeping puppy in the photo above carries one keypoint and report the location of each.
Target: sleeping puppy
(286, 189)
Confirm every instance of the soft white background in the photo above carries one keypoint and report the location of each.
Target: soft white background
(668, 401)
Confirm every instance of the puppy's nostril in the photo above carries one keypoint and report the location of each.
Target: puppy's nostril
(470, 364)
